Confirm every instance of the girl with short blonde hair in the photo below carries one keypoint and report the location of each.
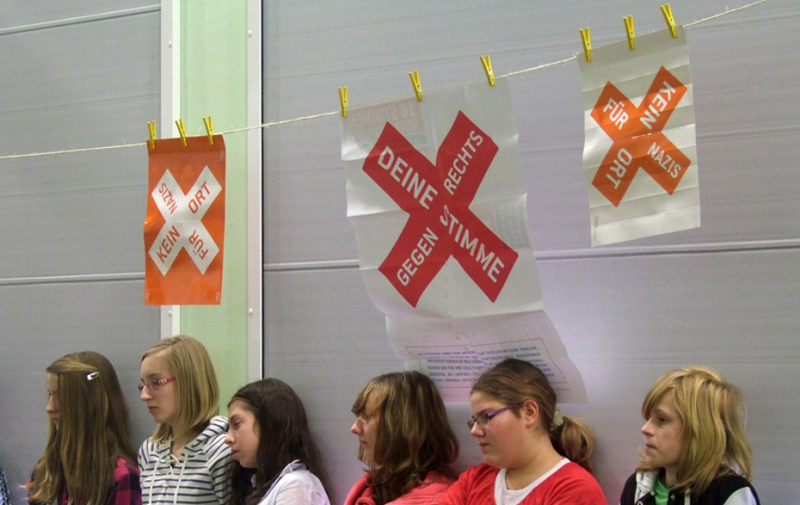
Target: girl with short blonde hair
(696, 450)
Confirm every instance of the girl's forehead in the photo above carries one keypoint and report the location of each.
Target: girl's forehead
(237, 407)
(155, 364)
(478, 399)
(52, 381)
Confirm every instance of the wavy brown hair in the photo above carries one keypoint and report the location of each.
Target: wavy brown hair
(283, 437)
(512, 381)
(92, 433)
(713, 416)
(414, 436)
(195, 380)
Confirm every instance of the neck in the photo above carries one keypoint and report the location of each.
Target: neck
(669, 477)
(542, 459)
(180, 440)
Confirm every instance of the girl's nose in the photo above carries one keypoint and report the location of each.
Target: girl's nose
(476, 430)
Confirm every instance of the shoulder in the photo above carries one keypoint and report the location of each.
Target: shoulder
(475, 485)
(359, 490)
(638, 485)
(429, 492)
(125, 470)
(216, 430)
(297, 486)
(731, 490)
(628, 491)
(573, 479)
(211, 441)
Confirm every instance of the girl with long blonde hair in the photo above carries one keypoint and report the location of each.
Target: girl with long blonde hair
(89, 458)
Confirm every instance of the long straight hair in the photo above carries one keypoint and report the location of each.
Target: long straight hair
(713, 416)
(92, 433)
(414, 436)
(283, 437)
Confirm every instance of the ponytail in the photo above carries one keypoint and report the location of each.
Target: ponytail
(573, 440)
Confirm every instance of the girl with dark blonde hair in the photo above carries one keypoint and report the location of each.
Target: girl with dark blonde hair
(89, 458)
(186, 461)
(532, 453)
(696, 451)
(405, 440)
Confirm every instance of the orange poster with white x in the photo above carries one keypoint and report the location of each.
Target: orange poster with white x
(184, 230)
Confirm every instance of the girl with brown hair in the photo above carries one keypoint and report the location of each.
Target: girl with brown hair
(405, 440)
(532, 453)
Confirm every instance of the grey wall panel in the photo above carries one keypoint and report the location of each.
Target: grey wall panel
(41, 323)
(306, 206)
(71, 257)
(81, 86)
(722, 295)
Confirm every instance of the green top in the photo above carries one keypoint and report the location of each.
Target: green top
(661, 492)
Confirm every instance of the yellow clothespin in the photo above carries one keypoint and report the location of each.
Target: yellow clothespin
(629, 29)
(587, 43)
(209, 129)
(666, 10)
(415, 82)
(151, 125)
(487, 67)
(343, 100)
(182, 131)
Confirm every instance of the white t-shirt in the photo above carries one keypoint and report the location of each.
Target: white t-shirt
(296, 486)
(505, 496)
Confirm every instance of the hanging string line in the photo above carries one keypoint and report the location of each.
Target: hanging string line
(334, 113)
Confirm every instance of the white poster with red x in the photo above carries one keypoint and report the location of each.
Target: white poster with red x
(640, 156)
(184, 230)
(438, 203)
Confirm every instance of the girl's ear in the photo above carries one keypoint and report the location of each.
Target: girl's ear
(530, 412)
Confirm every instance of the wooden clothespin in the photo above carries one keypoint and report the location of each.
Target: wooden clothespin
(415, 82)
(666, 10)
(151, 125)
(182, 131)
(487, 67)
(343, 100)
(587, 43)
(209, 129)
(629, 30)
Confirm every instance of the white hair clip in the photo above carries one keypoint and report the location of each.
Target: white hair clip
(92, 376)
(558, 418)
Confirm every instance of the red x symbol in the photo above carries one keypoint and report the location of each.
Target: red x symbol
(638, 141)
(437, 199)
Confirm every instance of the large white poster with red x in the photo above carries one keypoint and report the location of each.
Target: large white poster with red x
(640, 156)
(438, 203)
